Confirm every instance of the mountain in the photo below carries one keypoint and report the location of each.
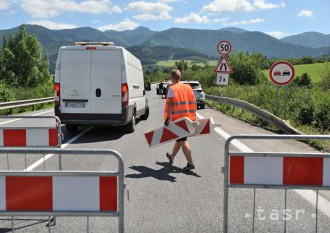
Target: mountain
(177, 43)
(205, 41)
(150, 55)
(131, 37)
(309, 39)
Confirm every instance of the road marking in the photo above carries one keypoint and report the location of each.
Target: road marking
(308, 195)
(18, 119)
(46, 157)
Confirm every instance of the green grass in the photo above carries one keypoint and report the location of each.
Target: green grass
(171, 63)
(313, 70)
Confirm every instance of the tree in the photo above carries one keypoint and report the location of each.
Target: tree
(325, 76)
(303, 81)
(181, 65)
(22, 63)
(246, 69)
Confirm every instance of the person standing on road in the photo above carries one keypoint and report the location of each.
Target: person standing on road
(180, 102)
(160, 89)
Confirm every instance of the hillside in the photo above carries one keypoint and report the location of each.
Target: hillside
(147, 44)
(205, 41)
(309, 39)
(150, 55)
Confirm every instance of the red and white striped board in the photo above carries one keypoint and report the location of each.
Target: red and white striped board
(58, 193)
(203, 127)
(177, 129)
(245, 170)
(37, 137)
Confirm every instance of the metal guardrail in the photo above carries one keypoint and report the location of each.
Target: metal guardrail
(263, 114)
(24, 103)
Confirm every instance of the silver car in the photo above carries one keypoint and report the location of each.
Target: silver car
(198, 92)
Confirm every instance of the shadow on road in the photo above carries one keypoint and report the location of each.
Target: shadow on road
(161, 174)
(101, 134)
(24, 221)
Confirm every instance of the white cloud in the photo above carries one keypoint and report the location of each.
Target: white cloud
(192, 18)
(53, 25)
(51, 8)
(144, 6)
(96, 21)
(150, 17)
(306, 13)
(5, 4)
(218, 6)
(170, 1)
(244, 22)
(221, 20)
(116, 9)
(277, 34)
(126, 24)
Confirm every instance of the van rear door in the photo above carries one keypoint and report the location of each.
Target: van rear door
(74, 76)
(106, 72)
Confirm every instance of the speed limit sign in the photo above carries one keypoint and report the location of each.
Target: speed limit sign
(224, 47)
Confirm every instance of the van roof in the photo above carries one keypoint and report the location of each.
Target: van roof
(94, 43)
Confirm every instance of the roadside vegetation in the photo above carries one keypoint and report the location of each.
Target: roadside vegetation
(24, 70)
(308, 105)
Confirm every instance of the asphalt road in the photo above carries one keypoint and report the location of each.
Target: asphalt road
(164, 198)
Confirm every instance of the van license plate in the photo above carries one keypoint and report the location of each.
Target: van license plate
(74, 105)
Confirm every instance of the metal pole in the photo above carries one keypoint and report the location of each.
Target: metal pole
(12, 224)
(121, 196)
(254, 208)
(225, 187)
(277, 89)
(285, 201)
(49, 224)
(285, 100)
(317, 211)
(87, 224)
(7, 161)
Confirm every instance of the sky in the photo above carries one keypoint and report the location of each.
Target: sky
(279, 18)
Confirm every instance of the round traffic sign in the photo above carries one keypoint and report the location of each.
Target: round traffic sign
(281, 73)
(224, 47)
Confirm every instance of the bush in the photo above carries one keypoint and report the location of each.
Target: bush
(303, 81)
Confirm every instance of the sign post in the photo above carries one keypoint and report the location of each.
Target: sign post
(281, 73)
(223, 69)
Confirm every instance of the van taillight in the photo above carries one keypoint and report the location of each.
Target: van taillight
(57, 88)
(124, 94)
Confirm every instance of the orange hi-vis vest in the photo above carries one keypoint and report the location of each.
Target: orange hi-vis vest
(184, 103)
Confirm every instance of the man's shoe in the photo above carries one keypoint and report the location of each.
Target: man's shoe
(169, 157)
(189, 167)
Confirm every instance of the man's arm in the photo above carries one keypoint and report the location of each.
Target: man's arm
(170, 107)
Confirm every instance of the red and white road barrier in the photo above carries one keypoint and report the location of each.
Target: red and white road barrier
(204, 126)
(177, 129)
(58, 193)
(306, 171)
(37, 137)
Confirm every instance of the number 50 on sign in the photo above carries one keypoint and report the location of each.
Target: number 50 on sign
(222, 79)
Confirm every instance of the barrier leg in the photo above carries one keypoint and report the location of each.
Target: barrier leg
(7, 162)
(12, 224)
(285, 202)
(49, 224)
(87, 227)
(317, 211)
(25, 161)
(254, 208)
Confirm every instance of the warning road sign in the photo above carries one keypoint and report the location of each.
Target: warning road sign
(222, 79)
(281, 73)
(223, 66)
(224, 47)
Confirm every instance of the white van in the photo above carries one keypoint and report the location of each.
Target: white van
(99, 84)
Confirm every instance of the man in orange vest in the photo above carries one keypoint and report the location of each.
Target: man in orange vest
(180, 102)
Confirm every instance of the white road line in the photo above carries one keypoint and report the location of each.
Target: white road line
(18, 119)
(308, 195)
(46, 157)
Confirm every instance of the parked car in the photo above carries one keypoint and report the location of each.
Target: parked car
(198, 92)
(99, 84)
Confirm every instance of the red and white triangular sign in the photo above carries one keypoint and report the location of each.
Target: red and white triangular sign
(223, 66)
